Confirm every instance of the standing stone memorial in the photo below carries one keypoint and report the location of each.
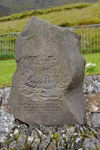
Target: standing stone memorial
(47, 87)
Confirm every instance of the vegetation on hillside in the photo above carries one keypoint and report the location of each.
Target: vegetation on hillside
(68, 15)
(8, 7)
(39, 12)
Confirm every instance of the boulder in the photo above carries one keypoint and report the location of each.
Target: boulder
(47, 87)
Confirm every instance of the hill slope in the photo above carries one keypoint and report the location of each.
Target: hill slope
(68, 15)
(8, 7)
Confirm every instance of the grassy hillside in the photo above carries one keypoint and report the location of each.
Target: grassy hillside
(15, 6)
(68, 15)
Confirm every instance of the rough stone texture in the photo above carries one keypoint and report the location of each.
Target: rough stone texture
(6, 123)
(52, 145)
(64, 138)
(96, 120)
(47, 85)
(91, 84)
(89, 144)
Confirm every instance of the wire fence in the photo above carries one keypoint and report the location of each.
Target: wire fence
(7, 45)
(90, 37)
(90, 40)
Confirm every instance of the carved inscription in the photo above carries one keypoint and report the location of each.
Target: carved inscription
(42, 77)
(39, 106)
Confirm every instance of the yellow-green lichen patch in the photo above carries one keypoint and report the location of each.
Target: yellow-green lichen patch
(7, 141)
(27, 147)
(55, 136)
(17, 136)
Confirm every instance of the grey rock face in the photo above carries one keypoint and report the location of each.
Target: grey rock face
(52, 145)
(6, 123)
(47, 85)
(96, 120)
(91, 84)
(12, 145)
(66, 137)
(89, 144)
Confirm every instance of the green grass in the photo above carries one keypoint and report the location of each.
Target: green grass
(93, 58)
(8, 67)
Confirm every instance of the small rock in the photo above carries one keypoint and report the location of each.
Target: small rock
(94, 77)
(21, 141)
(39, 132)
(78, 143)
(96, 120)
(89, 78)
(52, 145)
(97, 86)
(16, 132)
(30, 139)
(98, 78)
(70, 131)
(34, 134)
(12, 145)
(61, 142)
(89, 144)
(6, 123)
(35, 144)
(45, 140)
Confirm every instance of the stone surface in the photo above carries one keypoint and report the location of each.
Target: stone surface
(91, 84)
(89, 144)
(93, 103)
(47, 85)
(52, 145)
(96, 120)
(6, 123)
(65, 137)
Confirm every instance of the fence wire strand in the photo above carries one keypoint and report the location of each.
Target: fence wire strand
(90, 40)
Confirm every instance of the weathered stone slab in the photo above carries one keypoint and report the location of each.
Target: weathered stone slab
(47, 85)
